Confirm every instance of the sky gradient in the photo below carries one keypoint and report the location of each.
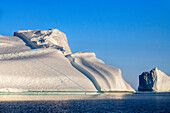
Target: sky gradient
(133, 35)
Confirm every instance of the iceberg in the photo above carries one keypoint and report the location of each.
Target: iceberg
(155, 80)
(41, 60)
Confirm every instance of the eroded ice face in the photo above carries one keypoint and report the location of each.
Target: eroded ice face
(45, 39)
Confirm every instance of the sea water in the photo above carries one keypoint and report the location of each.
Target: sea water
(138, 102)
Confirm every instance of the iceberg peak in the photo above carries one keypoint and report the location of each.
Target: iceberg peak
(52, 38)
(155, 69)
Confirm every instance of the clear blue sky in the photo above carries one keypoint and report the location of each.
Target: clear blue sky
(133, 35)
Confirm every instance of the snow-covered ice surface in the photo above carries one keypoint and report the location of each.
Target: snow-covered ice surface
(43, 62)
(155, 80)
(10, 44)
(41, 69)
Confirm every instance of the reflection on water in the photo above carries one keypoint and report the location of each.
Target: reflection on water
(139, 102)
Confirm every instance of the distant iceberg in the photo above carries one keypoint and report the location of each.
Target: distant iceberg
(155, 80)
(42, 61)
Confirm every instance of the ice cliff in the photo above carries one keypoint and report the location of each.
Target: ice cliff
(41, 60)
(155, 80)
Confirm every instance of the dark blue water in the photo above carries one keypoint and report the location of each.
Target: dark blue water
(139, 102)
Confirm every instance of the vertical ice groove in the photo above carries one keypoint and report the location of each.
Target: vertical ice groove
(85, 72)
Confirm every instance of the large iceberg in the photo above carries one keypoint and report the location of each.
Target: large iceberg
(155, 80)
(43, 62)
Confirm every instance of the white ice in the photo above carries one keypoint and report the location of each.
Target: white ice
(29, 66)
(105, 77)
